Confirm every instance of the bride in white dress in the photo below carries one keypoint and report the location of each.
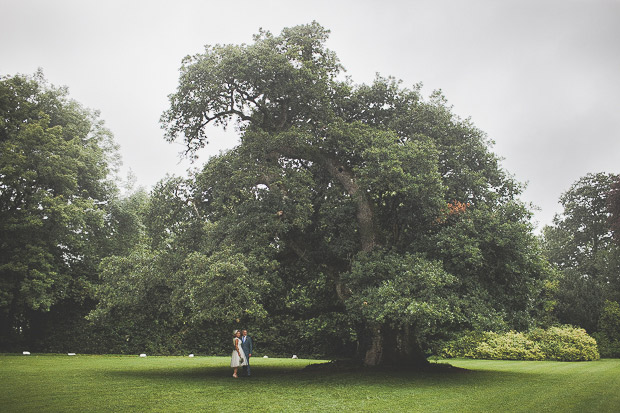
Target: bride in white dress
(238, 357)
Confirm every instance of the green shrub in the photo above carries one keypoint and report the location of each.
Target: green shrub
(465, 345)
(509, 346)
(565, 343)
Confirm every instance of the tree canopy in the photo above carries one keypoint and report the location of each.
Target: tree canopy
(580, 244)
(613, 205)
(367, 204)
(54, 185)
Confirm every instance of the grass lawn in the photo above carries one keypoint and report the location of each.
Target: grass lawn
(83, 383)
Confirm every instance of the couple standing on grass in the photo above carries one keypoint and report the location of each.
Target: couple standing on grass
(242, 352)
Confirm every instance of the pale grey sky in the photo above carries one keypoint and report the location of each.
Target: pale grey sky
(540, 77)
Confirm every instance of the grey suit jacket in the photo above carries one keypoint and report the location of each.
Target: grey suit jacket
(247, 346)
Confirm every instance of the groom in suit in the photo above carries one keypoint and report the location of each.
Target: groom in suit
(246, 345)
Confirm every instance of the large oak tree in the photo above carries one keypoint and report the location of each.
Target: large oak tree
(363, 203)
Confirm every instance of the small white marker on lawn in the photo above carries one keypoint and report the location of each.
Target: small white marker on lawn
(265, 357)
(191, 355)
(294, 356)
(70, 354)
(26, 353)
(142, 355)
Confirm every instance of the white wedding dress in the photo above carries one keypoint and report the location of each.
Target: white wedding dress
(234, 359)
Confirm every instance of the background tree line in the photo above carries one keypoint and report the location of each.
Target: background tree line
(352, 220)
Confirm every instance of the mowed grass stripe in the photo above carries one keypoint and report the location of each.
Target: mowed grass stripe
(129, 383)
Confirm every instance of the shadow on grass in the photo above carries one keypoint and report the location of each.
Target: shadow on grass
(327, 374)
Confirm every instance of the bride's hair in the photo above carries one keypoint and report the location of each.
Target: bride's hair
(235, 332)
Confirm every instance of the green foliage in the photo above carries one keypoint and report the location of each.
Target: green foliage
(339, 195)
(349, 216)
(223, 280)
(465, 344)
(399, 290)
(608, 335)
(124, 223)
(564, 343)
(54, 187)
(491, 247)
(580, 244)
(508, 346)
(613, 206)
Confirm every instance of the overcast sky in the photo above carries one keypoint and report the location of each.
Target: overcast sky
(540, 77)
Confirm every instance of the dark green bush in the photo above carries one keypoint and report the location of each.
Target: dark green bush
(608, 335)
(465, 345)
(607, 347)
(565, 343)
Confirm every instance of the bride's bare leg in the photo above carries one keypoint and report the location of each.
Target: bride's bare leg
(235, 372)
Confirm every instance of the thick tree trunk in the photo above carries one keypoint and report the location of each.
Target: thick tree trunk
(374, 354)
(386, 346)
